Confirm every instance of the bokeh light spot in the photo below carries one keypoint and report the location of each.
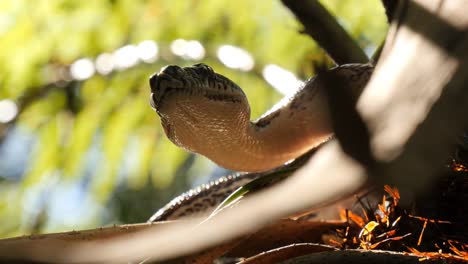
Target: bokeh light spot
(235, 58)
(8, 110)
(282, 80)
(148, 51)
(82, 69)
(105, 63)
(126, 57)
(189, 50)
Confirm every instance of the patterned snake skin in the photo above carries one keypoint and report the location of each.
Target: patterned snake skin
(175, 94)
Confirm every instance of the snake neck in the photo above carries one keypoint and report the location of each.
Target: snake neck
(273, 139)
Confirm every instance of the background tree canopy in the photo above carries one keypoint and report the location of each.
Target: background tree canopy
(79, 145)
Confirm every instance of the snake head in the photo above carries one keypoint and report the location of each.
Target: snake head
(195, 98)
(196, 80)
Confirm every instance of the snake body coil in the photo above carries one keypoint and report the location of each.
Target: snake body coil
(207, 113)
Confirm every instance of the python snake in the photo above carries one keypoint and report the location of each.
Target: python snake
(206, 113)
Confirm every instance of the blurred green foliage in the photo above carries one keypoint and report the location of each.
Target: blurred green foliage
(96, 153)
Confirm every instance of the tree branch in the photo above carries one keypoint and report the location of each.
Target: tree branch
(390, 8)
(324, 29)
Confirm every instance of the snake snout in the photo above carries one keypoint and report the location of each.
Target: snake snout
(153, 82)
(155, 90)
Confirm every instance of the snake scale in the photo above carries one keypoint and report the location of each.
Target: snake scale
(207, 113)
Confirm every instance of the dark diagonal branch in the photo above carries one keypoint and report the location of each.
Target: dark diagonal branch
(390, 8)
(324, 29)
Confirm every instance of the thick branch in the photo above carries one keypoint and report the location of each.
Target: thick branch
(324, 29)
(416, 107)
